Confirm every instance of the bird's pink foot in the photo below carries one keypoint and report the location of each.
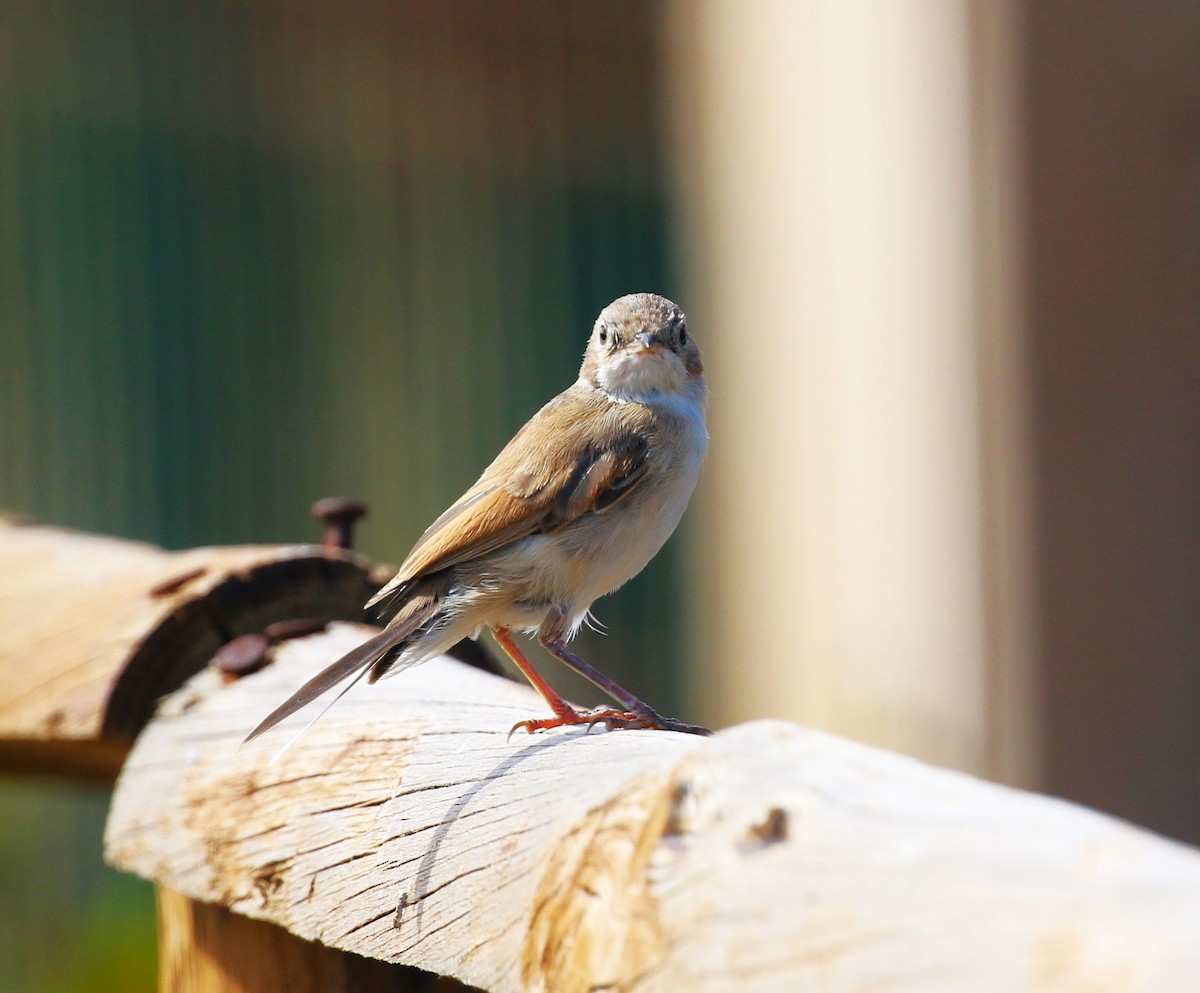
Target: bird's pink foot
(611, 719)
(607, 716)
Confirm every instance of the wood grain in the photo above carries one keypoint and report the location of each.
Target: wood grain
(406, 827)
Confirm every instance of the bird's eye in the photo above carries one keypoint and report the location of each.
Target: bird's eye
(604, 336)
(682, 333)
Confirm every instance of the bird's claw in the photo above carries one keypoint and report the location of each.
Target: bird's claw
(600, 715)
(613, 720)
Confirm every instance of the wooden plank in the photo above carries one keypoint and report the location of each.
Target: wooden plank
(407, 827)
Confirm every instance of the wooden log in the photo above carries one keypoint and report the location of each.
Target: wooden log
(407, 827)
(94, 630)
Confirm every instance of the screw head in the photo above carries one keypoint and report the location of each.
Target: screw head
(339, 515)
(339, 509)
(243, 655)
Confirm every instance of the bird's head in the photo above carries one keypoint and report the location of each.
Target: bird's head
(641, 347)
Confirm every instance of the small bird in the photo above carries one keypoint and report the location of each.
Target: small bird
(576, 504)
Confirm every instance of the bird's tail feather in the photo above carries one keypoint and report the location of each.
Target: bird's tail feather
(358, 660)
(320, 713)
(420, 607)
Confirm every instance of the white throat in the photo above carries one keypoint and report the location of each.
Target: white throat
(629, 377)
(688, 404)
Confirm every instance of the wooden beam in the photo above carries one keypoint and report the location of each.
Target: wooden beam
(94, 630)
(406, 827)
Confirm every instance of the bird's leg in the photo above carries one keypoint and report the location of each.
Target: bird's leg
(563, 711)
(637, 714)
(552, 637)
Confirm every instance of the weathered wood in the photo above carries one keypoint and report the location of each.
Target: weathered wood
(94, 630)
(204, 948)
(406, 827)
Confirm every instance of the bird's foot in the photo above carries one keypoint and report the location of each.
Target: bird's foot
(612, 720)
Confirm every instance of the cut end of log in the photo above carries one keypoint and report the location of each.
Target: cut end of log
(317, 585)
(94, 631)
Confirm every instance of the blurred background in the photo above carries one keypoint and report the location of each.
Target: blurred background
(943, 258)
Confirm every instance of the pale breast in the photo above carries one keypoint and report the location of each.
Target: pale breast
(596, 553)
(600, 552)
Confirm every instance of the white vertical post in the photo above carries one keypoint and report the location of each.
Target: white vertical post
(826, 162)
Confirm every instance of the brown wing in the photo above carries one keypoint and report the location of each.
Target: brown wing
(537, 488)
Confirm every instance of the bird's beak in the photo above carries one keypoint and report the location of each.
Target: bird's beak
(647, 341)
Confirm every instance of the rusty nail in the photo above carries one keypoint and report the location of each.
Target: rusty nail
(339, 515)
(243, 655)
(296, 628)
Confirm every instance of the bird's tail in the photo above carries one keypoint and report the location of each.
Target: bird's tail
(375, 655)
